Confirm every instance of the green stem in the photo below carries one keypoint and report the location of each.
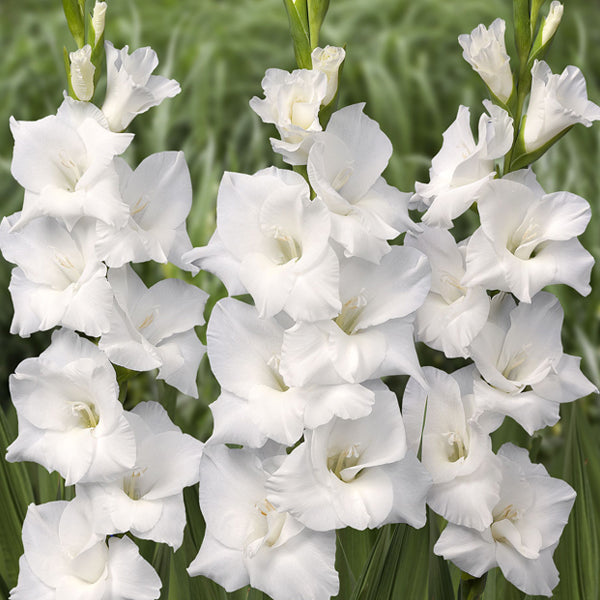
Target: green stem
(471, 588)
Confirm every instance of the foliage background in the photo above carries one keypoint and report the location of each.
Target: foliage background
(404, 61)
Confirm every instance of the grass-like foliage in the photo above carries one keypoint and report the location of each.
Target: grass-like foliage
(403, 59)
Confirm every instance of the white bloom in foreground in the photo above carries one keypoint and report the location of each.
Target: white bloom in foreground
(372, 336)
(456, 451)
(82, 73)
(354, 473)
(159, 196)
(70, 417)
(344, 168)
(147, 499)
(328, 60)
(552, 21)
(461, 167)
(292, 102)
(273, 242)
(519, 348)
(63, 558)
(484, 49)
(256, 403)
(528, 239)
(556, 102)
(453, 313)
(64, 162)
(154, 328)
(131, 89)
(249, 542)
(528, 520)
(59, 280)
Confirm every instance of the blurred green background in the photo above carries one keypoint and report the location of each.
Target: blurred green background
(403, 59)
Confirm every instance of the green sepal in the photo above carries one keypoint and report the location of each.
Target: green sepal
(317, 9)
(471, 588)
(97, 50)
(74, 14)
(68, 70)
(522, 158)
(299, 28)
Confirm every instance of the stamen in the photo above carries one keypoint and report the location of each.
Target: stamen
(273, 364)
(457, 448)
(290, 249)
(343, 176)
(346, 458)
(515, 362)
(131, 484)
(351, 311)
(138, 206)
(70, 170)
(88, 417)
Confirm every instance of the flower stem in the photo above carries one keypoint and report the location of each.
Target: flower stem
(471, 588)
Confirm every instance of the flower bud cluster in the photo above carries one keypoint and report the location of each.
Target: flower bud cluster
(86, 215)
(324, 442)
(486, 304)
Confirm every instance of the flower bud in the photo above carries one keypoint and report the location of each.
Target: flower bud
(328, 61)
(485, 50)
(82, 73)
(552, 21)
(98, 18)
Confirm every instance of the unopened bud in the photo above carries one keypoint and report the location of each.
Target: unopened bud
(98, 19)
(82, 73)
(552, 21)
(328, 61)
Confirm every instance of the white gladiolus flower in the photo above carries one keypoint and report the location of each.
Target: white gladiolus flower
(552, 21)
(82, 73)
(372, 335)
(64, 558)
(452, 314)
(461, 167)
(292, 102)
(58, 280)
(344, 168)
(328, 61)
(248, 541)
(519, 348)
(456, 450)
(528, 520)
(70, 417)
(147, 499)
(256, 403)
(484, 49)
(353, 473)
(154, 328)
(64, 162)
(98, 20)
(131, 89)
(273, 242)
(159, 196)
(528, 239)
(556, 102)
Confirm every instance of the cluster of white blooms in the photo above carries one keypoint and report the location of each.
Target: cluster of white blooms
(486, 304)
(334, 304)
(86, 215)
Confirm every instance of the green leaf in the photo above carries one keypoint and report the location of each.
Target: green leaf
(577, 556)
(440, 582)
(74, 14)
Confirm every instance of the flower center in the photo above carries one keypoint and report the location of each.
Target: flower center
(138, 207)
(526, 240)
(86, 414)
(347, 320)
(451, 290)
(348, 457)
(69, 169)
(132, 484)
(267, 528)
(511, 369)
(289, 249)
(456, 449)
(343, 176)
(273, 364)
